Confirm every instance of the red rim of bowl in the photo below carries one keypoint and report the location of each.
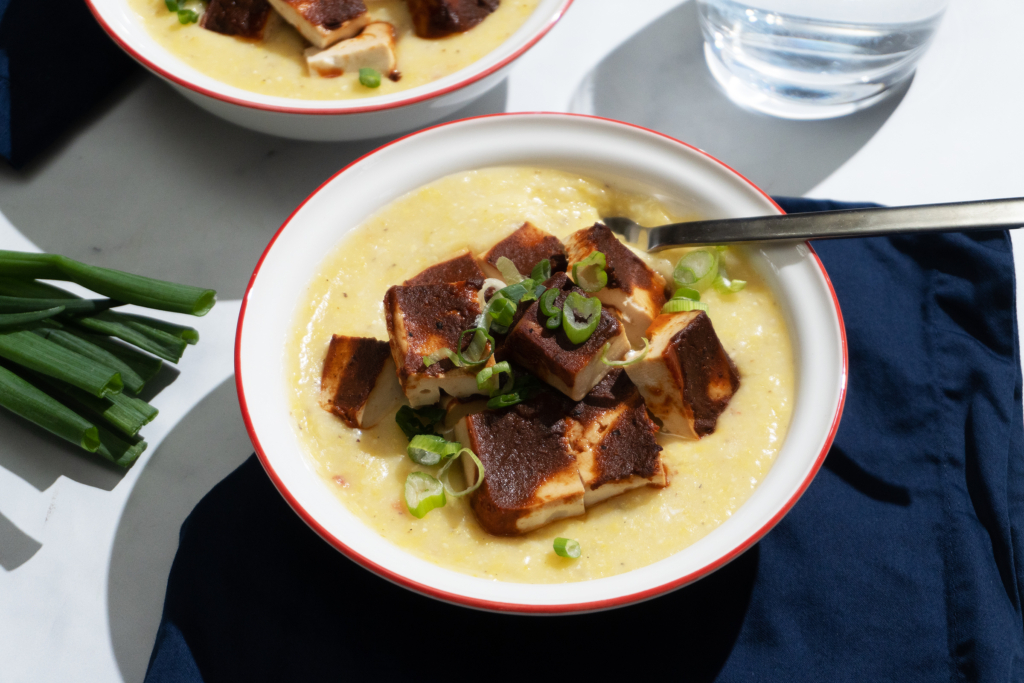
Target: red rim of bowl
(326, 111)
(490, 605)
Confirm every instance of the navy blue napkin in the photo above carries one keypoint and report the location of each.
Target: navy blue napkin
(56, 63)
(902, 562)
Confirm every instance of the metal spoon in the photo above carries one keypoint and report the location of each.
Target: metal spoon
(996, 214)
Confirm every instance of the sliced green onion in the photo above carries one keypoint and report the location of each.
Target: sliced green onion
(547, 303)
(538, 290)
(542, 271)
(680, 305)
(430, 449)
(187, 16)
(443, 474)
(566, 547)
(9, 320)
(502, 310)
(172, 5)
(580, 316)
(488, 380)
(509, 273)
(132, 289)
(432, 414)
(157, 342)
(687, 293)
(38, 407)
(721, 247)
(423, 493)
(625, 363)
(726, 286)
(118, 451)
(50, 359)
(369, 77)
(409, 422)
(696, 270)
(476, 347)
(589, 274)
(504, 401)
(438, 356)
(136, 367)
(13, 304)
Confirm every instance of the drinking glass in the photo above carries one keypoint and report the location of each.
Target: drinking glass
(815, 59)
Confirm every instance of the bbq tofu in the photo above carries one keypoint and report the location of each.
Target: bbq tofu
(573, 369)
(374, 48)
(634, 289)
(614, 440)
(687, 379)
(440, 18)
(324, 22)
(423, 319)
(457, 269)
(530, 471)
(526, 247)
(242, 18)
(358, 382)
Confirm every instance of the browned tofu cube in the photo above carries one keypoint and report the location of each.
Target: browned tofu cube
(530, 472)
(614, 440)
(461, 268)
(422, 319)
(687, 378)
(573, 369)
(358, 383)
(526, 247)
(635, 290)
(242, 18)
(324, 22)
(440, 18)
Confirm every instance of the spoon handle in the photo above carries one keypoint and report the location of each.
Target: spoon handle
(996, 214)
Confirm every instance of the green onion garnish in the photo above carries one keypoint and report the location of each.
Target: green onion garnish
(131, 289)
(369, 77)
(589, 274)
(680, 305)
(542, 271)
(50, 359)
(687, 293)
(475, 352)
(172, 5)
(410, 420)
(566, 547)
(38, 407)
(696, 270)
(488, 380)
(423, 493)
(430, 449)
(509, 273)
(547, 303)
(727, 286)
(9, 320)
(438, 356)
(504, 401)
(625, 363)
(580, 316)
(502, 310)
(443, 474)
(187, 16)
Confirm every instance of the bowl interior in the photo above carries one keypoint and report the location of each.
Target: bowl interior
(632, 158)
(127, 29)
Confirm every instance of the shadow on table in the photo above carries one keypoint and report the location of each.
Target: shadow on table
(204, 447)
(658, 79)
(159, 185)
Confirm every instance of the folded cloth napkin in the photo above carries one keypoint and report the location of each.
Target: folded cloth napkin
(56, 63)
(902, 561)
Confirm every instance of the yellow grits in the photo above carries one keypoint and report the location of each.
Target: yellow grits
(276, 65)
(366, 469)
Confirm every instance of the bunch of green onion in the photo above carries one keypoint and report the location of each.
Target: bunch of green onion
(74, 366)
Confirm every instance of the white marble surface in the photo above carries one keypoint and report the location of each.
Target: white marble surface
(151, 180)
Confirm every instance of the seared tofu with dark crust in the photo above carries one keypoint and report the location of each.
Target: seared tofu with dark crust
(526, 247)
(530, 471)
(634, 289)
(358, 383)
(242, 18)
(423, 319)
(614, 440)
(324, 22)
(573, 369)
(687, 378)
(440, 18)
(461, 268)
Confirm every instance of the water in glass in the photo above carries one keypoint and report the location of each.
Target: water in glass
(815, 59)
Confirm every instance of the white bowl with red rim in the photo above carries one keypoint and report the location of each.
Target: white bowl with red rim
(626, 156)
(326, 120)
